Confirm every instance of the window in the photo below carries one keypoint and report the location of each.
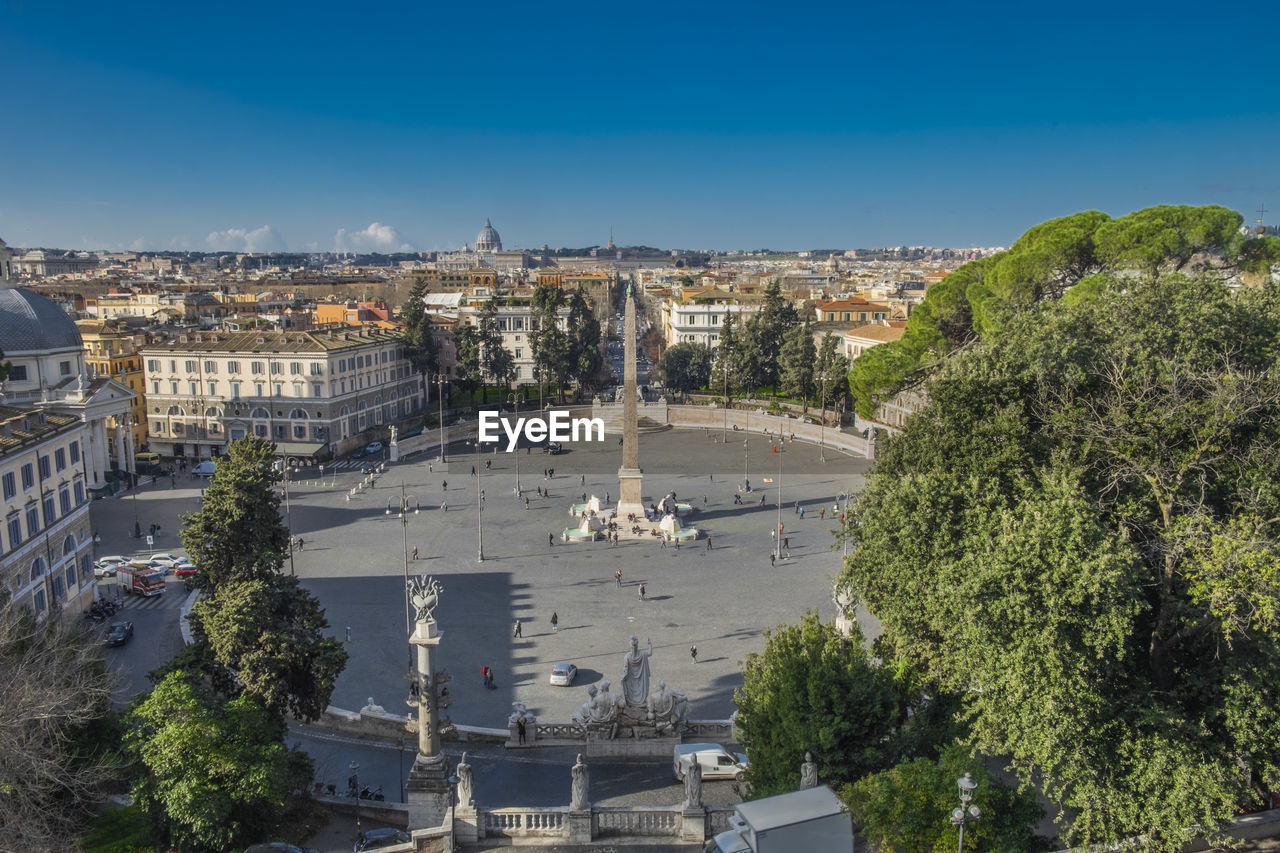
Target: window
(260, 430)
(38, 600)
(255, 367)
(64, 499)
(28, 476)
(10, 486)
(519, 352)
(277, 389)
(193, 388)
(71, 575)
(64, 367)
(155, 386)
(213, 389)
(233, 367)
(211, 367)
(173, 388)
(153, 365)
(75, 452)
(299, 431)
(86, 566)
(33, 519)
(173, 365)
(58, 588)
(60, 458)
(49, 515)
(317, 369)
(18, 373)
(235, 390)
(295, 368)
(15, 530)
(297, 389)
(258, 389)
(79, 486)
(276, 368)
(44, 467)
(191, 365)
(316, 389)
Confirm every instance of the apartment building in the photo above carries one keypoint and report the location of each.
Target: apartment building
(515, 322)
(46, 546)
(111, 351)
(700, 316)
(315, 394)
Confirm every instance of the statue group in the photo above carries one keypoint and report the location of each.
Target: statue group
(636, 711)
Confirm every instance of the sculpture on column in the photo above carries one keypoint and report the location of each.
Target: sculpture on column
(635, 674)
(578, 801)
(808, 772)
(693, 783)
(424, 594)
(667, 710)
(466, 784)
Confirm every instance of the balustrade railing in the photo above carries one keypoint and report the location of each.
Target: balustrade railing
(633, 822)
(523, 823)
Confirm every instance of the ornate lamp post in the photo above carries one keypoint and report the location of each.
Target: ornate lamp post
(778, 450)
(354, 783)
(440, 379)
(289, 467)
(514, 400)
(966, 813)
(744, 465)
(822, 430)
(479, 504)
(401, 510)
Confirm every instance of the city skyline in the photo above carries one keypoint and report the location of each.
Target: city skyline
(720, 127)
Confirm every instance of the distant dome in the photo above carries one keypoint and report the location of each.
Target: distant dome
(488, 240)
(30, 322)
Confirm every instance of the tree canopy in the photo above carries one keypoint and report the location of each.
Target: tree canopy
(685, 367)
(1046, 263)
(420, 344)
(1079, 534)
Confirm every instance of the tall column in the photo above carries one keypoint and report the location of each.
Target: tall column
(630, 475)
(122, 427)
(427, 790)
(98, 442)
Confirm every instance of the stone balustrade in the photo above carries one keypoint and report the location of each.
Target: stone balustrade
(622, 822)
(523, 822)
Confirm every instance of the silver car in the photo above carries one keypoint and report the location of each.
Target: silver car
(563, 674)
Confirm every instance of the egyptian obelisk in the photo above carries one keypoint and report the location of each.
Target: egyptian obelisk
(630, 477)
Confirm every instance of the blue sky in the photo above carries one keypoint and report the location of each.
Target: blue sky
(698, 125)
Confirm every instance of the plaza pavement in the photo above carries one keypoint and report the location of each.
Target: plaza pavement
(721, 600)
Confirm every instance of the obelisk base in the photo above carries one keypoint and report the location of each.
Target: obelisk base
(427, 791)
(630, 493)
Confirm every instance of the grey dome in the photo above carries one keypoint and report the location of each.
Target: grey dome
(488, 240)
(30, 322)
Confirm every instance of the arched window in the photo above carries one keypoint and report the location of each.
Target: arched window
(260, 414)
(176, 412)
(68, 544)
(37, 568)
(213, 412)
(298, 415)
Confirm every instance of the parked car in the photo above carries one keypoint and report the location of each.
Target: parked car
(106, 567)
(552, 447)
(205, 469)
(119, 633)
(717, 762)
(184, 570)
(168, 562)
(373, 447)
(383, 837)
(280, 847)
(360, 453)
(563, 674)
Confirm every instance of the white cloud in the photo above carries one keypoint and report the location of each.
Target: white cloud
(376, 238)
(264, 239)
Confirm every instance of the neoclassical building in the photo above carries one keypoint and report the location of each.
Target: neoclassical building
(488, 240)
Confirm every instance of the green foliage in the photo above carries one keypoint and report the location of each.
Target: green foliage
(120, 830)
(1049, 262)
(495, 360)
(798, 363)
(237, 534)
(469, 369)
(765, 334)
(5, 367)
(685, 367)
(907, 809)
(217, 771)
(270, 633)
(834, 367)
(550, 344)
(420, 344)
(1079, 535)
(587, 360)
(813, 690)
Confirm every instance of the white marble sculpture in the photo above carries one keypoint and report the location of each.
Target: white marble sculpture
(693, 783)
(579, 800)
(667, 709)
(466, 784)
(635, 674)
(808, 772)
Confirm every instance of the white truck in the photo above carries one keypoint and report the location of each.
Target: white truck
(809, 821)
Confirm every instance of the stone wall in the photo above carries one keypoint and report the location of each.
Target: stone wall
(713, 419)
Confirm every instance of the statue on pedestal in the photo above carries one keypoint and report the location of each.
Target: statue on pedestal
(635, 674)
(466, 784)
(424, 594)
(808, 772)
(667, 710)
(599, 714)
(579, 801)
(693, 784)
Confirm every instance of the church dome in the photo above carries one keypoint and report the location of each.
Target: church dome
(30, 322)
(488, 240)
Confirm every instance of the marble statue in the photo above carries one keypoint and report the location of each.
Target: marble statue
(808, 772)
(635, 674)
(667, 709)
(599, 714)
(583, 716)
(466, 784)
(693, 783)
(424, 593)
(580, 781)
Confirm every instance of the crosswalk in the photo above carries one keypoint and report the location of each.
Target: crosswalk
(173, 597)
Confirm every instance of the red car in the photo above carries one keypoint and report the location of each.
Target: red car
(184, 570)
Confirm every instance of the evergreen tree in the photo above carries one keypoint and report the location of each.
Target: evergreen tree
(420, 343)
(584, 341)
(686, 367)
(766, 332)
(798, 363)
(470, 370)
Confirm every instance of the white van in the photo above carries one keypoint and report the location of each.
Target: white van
(717, 762)
(205, 469)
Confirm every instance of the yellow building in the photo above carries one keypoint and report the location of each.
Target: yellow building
(113, 352)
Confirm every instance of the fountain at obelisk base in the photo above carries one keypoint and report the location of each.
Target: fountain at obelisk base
(427, 791)
(630, 476)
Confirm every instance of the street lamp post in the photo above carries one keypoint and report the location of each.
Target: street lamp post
(401, 509)
(966, 812)
(745, 482)
(441, 378)
(288, 511)
(479, 504)
(778, 450)
(514, 400)
(354, 784)
(822, 430)
(400, 749)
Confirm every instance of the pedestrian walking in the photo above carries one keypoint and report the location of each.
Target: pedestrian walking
(711, 478)
(173, 482)
(704, 500)
(516, 633)
(607, 497)
(584, 479)
(520, 731)
(762, 494)
(663, 539)
(444, 507)
(786, 541)
(822, 513)
(473, 470)
(797, 512)
(693, 653)
(773, 534)
(555, 622)
(584, 497)
(708, 543)
(415, 552)
(488, 464)
(551, 540)
(444, 485)
(802, 512)
(771, 559)
(526, 503)
(617, 578)
(299, 543)
(640, 593)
